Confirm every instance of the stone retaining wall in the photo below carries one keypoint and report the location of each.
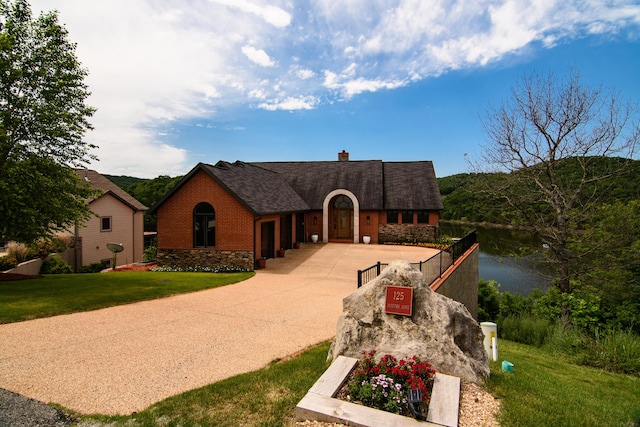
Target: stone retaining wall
(212, 258)
(407, 233)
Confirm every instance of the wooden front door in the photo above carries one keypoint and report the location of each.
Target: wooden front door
(342, 218)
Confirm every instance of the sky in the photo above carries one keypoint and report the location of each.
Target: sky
(177, 82)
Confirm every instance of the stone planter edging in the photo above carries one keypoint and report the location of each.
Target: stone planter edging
(319, 403)
(29, 268)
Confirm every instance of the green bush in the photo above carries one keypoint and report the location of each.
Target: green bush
(615, 350)
(150, 253)
(488, 301)
(55, 265)
(525, 329)
(44, 247)
(7, 263)
(96, 267)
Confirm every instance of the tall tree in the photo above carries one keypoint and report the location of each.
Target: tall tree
(547, 136)
(43, 118)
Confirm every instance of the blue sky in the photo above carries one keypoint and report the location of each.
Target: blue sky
(176, 83)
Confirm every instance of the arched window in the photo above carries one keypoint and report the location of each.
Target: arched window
(343, 202)
(204, 226)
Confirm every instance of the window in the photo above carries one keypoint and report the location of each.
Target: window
(423, 217)
(204, 226)
(105, 223)
(392, 217)
(407, 217)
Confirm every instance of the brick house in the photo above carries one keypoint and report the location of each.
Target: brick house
(230, 214)
(118, 218)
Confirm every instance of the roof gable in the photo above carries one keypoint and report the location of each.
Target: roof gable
(104, 185)
(261, 190)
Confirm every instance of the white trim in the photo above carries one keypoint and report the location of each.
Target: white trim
(356, 214)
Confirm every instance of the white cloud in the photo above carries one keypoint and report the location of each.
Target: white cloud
(305, 74)
(291, 103)
(157, 64)
(273, 15)
(258, 56)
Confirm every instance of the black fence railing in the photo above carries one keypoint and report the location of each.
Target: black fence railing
(431, 268)
(461, 246)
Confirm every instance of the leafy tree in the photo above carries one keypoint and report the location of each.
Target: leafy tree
(548, 137)
(43, 118)
(150, 192)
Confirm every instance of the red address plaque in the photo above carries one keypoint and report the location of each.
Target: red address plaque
(399, 300)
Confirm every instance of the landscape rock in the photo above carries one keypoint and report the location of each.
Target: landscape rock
(440, 330)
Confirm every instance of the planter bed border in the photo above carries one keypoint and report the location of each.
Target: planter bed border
(319, 404)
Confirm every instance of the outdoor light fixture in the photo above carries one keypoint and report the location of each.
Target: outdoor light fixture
(315, 220)
(368, 219)
(415, 399)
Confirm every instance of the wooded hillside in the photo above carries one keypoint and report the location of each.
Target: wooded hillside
(465, 201)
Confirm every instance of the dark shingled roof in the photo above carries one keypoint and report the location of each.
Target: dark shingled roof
(260, 190)
(276, 187)
(314, 180)
(104, 185)
(411, 186)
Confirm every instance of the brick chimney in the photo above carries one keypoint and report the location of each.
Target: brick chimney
(343, 157)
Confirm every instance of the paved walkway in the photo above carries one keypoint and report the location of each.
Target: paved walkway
(121, 360)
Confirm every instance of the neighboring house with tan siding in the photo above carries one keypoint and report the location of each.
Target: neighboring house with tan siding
(118, 219)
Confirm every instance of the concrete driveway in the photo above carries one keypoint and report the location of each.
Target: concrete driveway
(121, 360)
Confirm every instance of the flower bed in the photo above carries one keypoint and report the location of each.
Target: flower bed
(321, 403)
(385, 384)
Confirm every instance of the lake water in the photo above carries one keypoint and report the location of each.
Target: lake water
(510, 257)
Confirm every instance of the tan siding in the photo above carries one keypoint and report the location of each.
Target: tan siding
(94, 241)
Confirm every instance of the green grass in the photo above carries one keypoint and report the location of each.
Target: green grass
(547, 391)
(57, 294)
(543, 391)
(267, 397)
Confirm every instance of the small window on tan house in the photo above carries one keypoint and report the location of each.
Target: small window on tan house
(105, 223)
(392, 217)
(407, 217)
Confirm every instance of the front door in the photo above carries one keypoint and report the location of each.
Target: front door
(342, 218)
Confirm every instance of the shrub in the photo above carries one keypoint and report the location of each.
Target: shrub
(616, 350)
(44, 247)
(150, 253)
(525, 329)
(7, 263)
(19, 251)
(96, 267)
(55, 265)
(488, 300)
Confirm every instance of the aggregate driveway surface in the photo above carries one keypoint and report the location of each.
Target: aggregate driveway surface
(120, 360)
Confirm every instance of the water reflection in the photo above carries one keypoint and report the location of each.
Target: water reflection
(511, 258)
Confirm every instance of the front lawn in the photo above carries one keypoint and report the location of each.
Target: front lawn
(543, 391)
(57, 294)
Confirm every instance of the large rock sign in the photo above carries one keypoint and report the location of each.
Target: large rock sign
(440, 330)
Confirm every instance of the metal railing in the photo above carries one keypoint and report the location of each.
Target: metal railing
(431, 268)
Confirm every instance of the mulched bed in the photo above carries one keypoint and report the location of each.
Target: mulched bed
(133, 267)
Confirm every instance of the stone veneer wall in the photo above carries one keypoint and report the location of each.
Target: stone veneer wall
(407, 232)
(241, 260)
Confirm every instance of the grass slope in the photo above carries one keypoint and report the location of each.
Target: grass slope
(547, 391)
(57, 294)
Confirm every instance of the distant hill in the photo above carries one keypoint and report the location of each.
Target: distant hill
(462, 201)
(124, 182)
